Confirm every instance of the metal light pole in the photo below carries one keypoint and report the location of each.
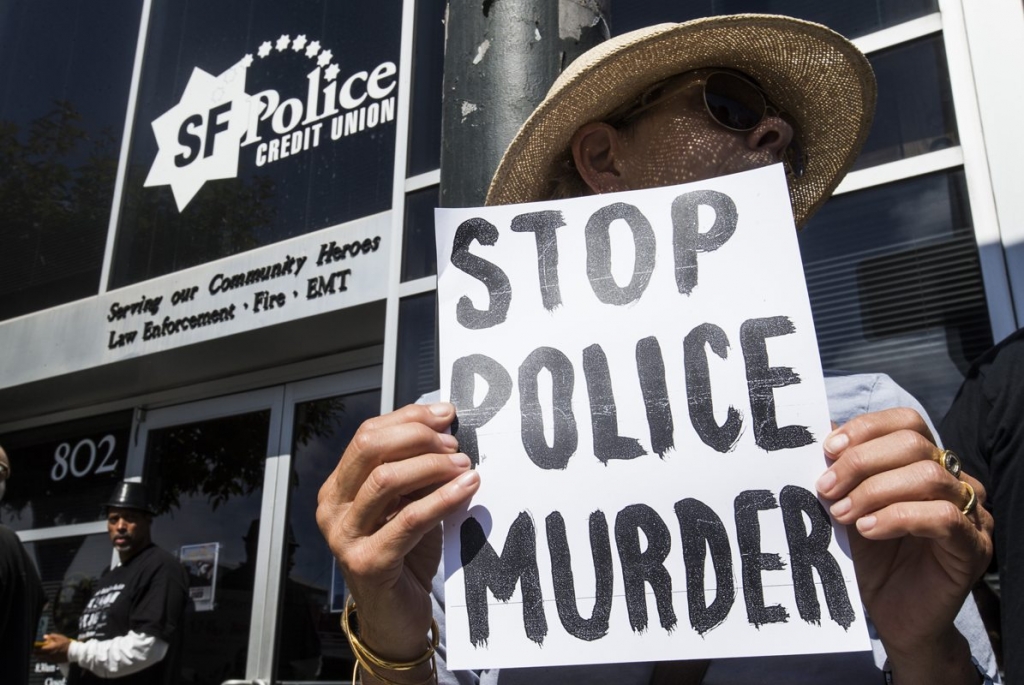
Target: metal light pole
(501, 56)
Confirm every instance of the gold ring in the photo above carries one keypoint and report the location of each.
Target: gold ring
(948, 460)
(972, 499)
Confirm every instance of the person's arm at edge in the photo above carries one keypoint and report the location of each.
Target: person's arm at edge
(119, 656)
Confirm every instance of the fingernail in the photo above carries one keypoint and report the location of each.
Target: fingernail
(866, 523)
(826, 482)
(470, 479)
(449, 440)
(841, 507)
(459, 459)
(836, 442)
(441, 408)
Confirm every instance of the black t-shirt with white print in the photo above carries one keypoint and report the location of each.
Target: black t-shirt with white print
(146, 595)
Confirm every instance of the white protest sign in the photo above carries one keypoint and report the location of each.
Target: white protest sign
(637, 378)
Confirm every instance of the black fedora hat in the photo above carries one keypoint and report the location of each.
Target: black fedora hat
(128, 495)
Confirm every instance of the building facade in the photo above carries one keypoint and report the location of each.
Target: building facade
(216, 260)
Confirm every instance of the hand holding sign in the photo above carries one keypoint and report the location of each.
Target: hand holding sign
(380, 512)
(915, 552)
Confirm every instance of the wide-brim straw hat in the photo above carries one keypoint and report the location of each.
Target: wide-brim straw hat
(818, 77)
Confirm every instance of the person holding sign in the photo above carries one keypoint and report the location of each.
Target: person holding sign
(131, 628)
(666, 105)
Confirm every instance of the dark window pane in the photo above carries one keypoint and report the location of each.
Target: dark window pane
(314, 143)
(417, 372)
(428, 72)
(895, 285)
(68, 568)
(207, 479)
(915, 106)
(310, 643)
(848, 18)
(63, 474)
(419, 255)
(65, 70)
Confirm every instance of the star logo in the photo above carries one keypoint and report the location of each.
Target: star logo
(299, 42)
(198, 138)
(325, 58)
(312, 49)
(331, 72)
(282, 43)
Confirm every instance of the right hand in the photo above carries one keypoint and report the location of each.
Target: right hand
(54, 649)
(381, 510)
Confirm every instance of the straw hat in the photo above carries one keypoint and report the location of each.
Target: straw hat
(814, 74)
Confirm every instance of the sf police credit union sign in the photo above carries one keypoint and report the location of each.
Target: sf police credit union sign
(216, 121)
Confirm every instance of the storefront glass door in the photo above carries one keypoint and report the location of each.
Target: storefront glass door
(321, 417)
(211, 466)
(236, 481)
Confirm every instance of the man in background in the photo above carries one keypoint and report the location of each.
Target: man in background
(21, 597)
(131, 627)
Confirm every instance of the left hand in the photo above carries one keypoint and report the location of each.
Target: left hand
(54, 649)
(915, 552)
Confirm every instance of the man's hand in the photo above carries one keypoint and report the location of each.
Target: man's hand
(916, 553)
(380, 511)
(54, 649)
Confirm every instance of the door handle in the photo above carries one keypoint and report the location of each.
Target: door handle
(256, 681)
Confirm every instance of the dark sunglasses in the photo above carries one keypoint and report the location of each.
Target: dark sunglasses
(734, 103)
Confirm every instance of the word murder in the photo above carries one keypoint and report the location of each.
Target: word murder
(644, 542)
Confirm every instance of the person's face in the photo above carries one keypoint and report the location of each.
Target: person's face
(675, 139)
(128, 530)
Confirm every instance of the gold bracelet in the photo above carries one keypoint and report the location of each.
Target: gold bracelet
(367, 660)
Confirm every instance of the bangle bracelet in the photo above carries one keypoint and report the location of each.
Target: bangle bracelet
(370, 662)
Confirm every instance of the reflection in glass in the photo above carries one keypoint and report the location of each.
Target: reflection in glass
(68, 567)
(62, 474)
(207, 478)
(895, 285)
(416, 371)
(851, 19)
(62, 107)
(428, 72)
(419, 255)
(915, 105)
(311, 645)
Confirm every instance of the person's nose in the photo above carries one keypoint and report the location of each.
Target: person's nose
(772, 134)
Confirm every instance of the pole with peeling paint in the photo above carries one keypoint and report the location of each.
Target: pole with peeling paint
(501, 56)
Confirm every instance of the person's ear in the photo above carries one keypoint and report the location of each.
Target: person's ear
(598, 152)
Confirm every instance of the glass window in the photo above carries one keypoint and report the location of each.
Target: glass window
(915, 105)
(207, 478)
(257, 121)
(848, 18)
(310, 643)
(419, 254)
(416, 370)
(428, 73)
(895, 285)
(65, 71)
(63, 474)
(68, 567)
